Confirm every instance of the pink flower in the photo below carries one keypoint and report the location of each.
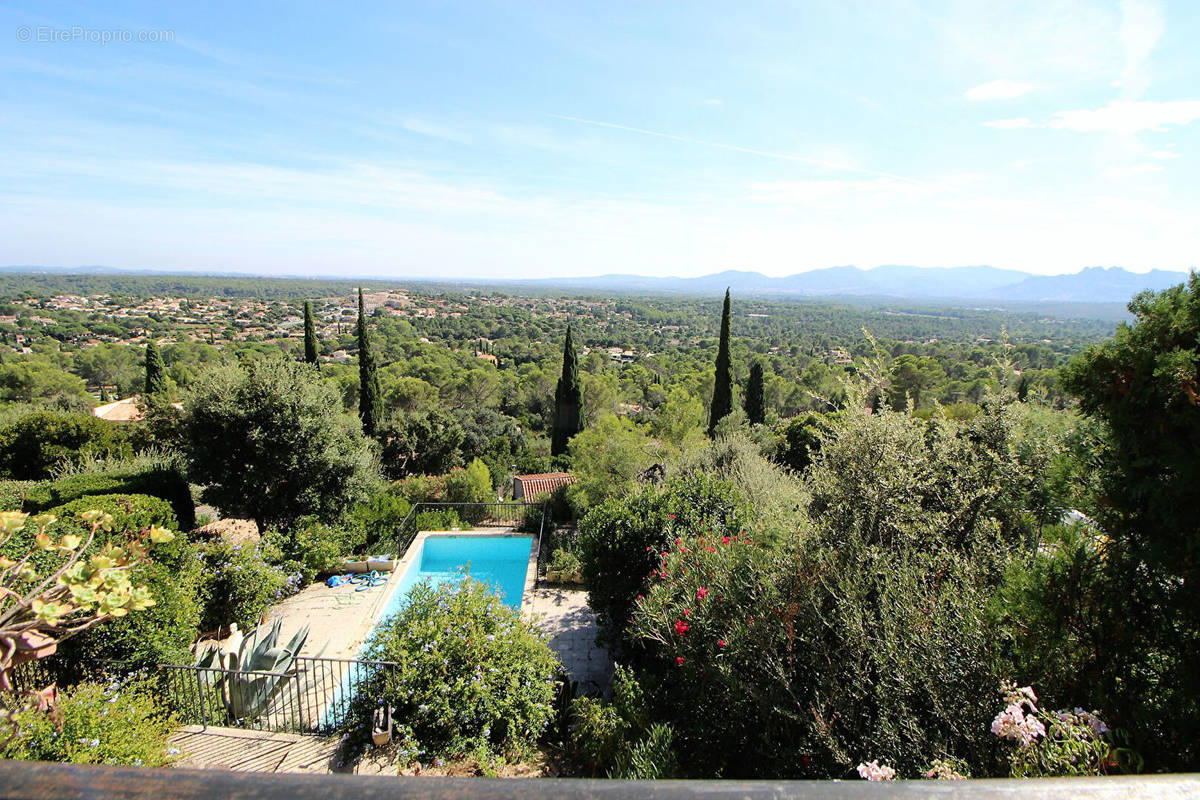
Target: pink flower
(679, 661)
(1012, 723)
(725, 540)
(681, 627)
(701, 593)
(670, 516)
(874, 771)
(687, 611)
(720, 642)
(678, 541)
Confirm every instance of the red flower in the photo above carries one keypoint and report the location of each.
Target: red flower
(679, 661)
(681, 627)
(751, 619)
(724, 540)
(639, 597)
(687, 611)
(678, 541)
(670, 516)
(710, 549)
(720, 642)
(701, 593)
(649, 549)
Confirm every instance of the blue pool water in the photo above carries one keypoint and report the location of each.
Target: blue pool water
(499, 561)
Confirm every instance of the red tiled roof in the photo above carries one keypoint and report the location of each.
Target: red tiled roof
(543, 483)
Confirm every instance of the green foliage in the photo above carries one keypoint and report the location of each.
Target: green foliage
(310, 335)
(156, 372)
(269, 443)
(166, 483)
(1144, 387)
(564, 567)
(755, 401)
(42, 384)
(617, 739)
(722, 398)
(37, 444)
(310, 548)
(800, 439)
(621, 539)
(437, 520)
(239, 585)
(118, 725)
(370, 396)
(376, 522)
(472, 674)
(421, 442)
(606, 459)
(568, 400)
(864, 636)
(162, 633)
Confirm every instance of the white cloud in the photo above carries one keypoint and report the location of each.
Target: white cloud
(1163, 154)
(999, 90)
(1128, 117)
(1010, 124)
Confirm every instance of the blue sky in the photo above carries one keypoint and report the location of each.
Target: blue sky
(531, 139)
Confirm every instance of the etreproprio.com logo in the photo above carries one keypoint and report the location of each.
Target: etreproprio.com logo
(78, 33)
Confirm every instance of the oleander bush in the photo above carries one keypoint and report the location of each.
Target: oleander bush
(620, 540)
(118, 724)
(472, 675)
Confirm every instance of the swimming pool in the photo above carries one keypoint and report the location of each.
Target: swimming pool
(499, 560)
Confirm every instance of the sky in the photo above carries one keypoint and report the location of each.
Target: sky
(548, 138)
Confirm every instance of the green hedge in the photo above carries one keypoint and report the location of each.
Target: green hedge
(37, 496)
(37, 444)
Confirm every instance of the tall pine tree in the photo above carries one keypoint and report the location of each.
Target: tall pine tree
(156, 372)
(756, 401)
(370, 397)
(722, 400)
(310, 335)
(568, 401)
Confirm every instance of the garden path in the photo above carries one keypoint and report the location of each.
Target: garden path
(564, 614)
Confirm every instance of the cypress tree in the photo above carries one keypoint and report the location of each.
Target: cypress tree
(310, 335)
(568, 400)
(156, 371)
(370, 397)
(756, 401)
(722, 400)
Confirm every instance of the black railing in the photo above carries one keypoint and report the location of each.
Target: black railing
(471, 515)
(315, 696)
(26, 781)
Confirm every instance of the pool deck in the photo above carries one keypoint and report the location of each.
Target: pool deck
(340, 619)
(564, 615)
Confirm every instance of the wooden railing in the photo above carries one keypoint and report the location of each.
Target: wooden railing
(22, 780)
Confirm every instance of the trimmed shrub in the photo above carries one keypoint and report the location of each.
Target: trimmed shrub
(119, 725)
(37, 444)
(473, 675)
(167, 484)
(27, 496)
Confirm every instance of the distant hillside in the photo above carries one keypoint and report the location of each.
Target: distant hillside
(944, 284)
(1091, 285)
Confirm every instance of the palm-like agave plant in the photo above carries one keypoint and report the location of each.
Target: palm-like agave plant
(256, 674)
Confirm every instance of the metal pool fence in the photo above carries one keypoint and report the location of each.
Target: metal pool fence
(318, 695)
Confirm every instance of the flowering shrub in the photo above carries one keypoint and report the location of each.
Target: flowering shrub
(620, 540)
(94, 724)
(471, 674)
(1057, 743)
(874, 771)
(239, 584)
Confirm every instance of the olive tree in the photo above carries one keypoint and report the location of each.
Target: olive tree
(270, 443)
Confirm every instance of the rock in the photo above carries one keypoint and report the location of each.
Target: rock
(233, 531)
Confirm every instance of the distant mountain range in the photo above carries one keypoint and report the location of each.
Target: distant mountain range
(1091, 285)
(973, 283)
